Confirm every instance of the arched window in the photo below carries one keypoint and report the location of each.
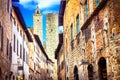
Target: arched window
(102, 69)
(76, 76)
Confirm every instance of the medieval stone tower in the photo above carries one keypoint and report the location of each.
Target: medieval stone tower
(52, 38)
(51, 34)
(37, 22)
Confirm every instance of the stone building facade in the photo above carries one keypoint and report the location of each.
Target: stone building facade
(91, 39)
(20, 38)
(40, 66)
(5, 38)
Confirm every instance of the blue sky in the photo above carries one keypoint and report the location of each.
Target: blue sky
(28, 7)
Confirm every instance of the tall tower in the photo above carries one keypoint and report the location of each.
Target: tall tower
(52, 39)
(37, 22)
(51, 34)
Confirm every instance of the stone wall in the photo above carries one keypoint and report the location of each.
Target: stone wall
(99, 41)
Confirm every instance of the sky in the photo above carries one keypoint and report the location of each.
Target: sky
(28, 7)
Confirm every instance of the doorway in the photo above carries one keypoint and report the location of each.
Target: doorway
(76, 76)
(102, 69)
(90, 72)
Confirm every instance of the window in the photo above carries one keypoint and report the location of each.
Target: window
(8, 5)
(105, 37)
(17, 28)
(17, 47)
(105, 30)
(77, 24)
(72, 37)
(86, 6)
(97, 2)
(14, 42)
(14, 21)
(72, 33)
(21, 32)
(7, 52)
(93, 42)
(23, 54)
(1, 37)
(10, 55)
(20, 51)
(37, 20)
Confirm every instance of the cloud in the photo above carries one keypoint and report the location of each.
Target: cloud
(32, 4)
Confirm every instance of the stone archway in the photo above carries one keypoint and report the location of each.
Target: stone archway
(90, 72)
(102, 69)
(76, 76)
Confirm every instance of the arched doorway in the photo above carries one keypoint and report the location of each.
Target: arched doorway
(90, 72)
(76, 76)
(102, 69)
